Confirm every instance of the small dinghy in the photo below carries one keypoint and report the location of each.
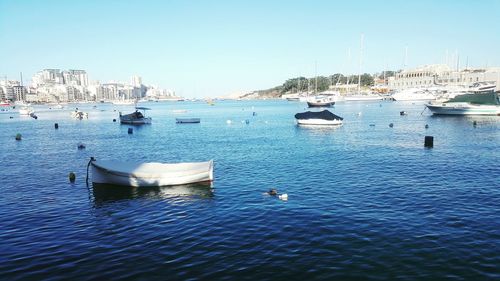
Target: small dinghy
(150, 174)
(321, 118)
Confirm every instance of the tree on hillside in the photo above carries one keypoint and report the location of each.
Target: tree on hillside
(367, 80)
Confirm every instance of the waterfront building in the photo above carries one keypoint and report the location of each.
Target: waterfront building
(443, 75)
(48, 76)
(8, 90)
(19, 93)
(136, 81)
(54, 85)
(75, 77)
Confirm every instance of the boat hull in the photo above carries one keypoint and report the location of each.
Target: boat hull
(319, 122)
(146, 120)
(320, 104)
(363, 98)
(463, 109)
(187, 120)
(26, 111)
(152, 174)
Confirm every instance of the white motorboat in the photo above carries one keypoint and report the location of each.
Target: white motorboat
(321, 118)
(150, 174)
(26, 110)
(414, 94)
(136, 118)
(368, 97)
(486, 103)
(482, 87)
(321, 101)
(123, 102)
(77, 114)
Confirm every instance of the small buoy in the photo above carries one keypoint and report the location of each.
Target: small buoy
(359, 113)
(56, 126)
(283, 196)
(272, 192)
(229, 121)
(428, 141)
(391, 125)
(81, 145)
(426, 126)
(72, 177)
(402, 113)
(114, 120)
(130, 131)
(474, 123)
(18, 137)
(247, 121)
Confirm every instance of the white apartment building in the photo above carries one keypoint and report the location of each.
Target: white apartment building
(136, 81)
(442, 75)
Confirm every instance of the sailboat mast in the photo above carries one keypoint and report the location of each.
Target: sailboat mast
(349, 67)
(316, 77)
(360, 62)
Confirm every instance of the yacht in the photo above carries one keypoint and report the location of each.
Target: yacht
(414, 94)
(321, 101)
(487, 103)
(363, 97)
(26, 110)
(482, 87)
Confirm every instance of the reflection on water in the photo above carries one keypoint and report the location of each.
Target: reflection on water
(479, 119)
(109, 193)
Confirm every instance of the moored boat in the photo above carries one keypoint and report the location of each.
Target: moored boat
(123, 102)
(77, 114)
(26, 110)
(187, 120)
(321, 118)
(320, 101)
(414, 94)
(487, 103)
(367, 97)
(136, 118)
(150, 174)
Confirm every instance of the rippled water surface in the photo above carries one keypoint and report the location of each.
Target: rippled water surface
(366, 201)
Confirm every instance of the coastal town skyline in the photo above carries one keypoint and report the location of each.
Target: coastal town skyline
(200, 50)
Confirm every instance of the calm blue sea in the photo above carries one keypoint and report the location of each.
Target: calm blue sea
(366, 201)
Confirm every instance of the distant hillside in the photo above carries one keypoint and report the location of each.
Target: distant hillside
(272, 93)
(303, 84)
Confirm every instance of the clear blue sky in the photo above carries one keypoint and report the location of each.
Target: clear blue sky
(213, 48)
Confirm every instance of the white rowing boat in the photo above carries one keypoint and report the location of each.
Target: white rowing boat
(150, 174)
